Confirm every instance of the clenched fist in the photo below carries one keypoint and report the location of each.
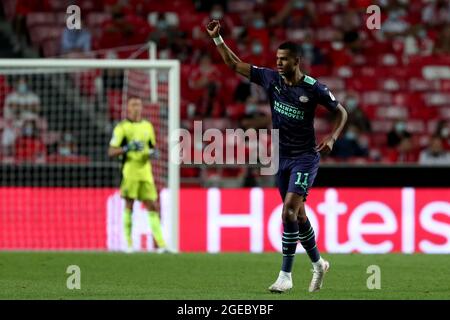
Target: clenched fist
(213, 28)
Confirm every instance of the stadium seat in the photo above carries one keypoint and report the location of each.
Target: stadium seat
(114, 100)
(40, 18)
(391, 112)
(382, 126)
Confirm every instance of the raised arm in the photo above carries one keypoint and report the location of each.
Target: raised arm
(228, 56)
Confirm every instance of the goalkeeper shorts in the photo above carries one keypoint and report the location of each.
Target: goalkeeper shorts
(138, 190)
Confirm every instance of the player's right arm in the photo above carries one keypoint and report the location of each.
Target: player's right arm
(115, 145)
(228, 56)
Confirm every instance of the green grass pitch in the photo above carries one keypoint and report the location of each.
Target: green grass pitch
(42, 275)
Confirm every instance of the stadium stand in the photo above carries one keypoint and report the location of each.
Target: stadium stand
(395, 77)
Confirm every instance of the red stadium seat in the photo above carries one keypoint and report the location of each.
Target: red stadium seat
(40, 18)
(391, 112)
(235, 111)
(115, 104)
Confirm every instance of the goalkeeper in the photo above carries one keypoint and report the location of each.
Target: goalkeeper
(134, 140)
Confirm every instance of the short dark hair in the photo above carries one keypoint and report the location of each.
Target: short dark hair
(293, 48)
(133, 97)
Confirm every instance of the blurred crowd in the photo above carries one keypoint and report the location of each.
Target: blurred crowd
(395, 114)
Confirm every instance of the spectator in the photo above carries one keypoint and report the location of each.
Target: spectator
(436, 14)
(299, 14)
(75, 42)
(8, 137)
(29, 146)
(350, 25)
(395, 25)
(258, 53)
(435, 154)
(339, 55)
(217, 12)
(257, 29)
(443, 131)
(253, 117)
(22, 9)
(22, 102)
(417, 41)
(123, 30)
(311, 54)
(442, 45)
(242, 91)
(350, 145)
(405, 150)
(206, 5)
(356, 115)
(245, 90)
(67, 151)
(112, 78)
(395, 136)
(166, 32)
(205, 80)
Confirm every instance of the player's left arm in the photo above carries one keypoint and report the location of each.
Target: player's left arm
(327, 99)
(327, 143)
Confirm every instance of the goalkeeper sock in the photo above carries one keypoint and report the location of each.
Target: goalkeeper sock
(127, 224)
(155, 225)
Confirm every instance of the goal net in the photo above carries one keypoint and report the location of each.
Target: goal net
(59, 190)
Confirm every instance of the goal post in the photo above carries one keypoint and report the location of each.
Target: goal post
(169, 72)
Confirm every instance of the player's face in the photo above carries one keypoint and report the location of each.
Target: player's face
(286, 62)
(134, 109)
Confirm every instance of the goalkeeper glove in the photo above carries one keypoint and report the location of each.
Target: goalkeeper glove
(153, 153)
(133, 146)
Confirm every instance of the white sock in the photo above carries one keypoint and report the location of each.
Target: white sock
(285, 274)
(318, 264)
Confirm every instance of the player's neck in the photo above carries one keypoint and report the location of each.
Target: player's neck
(134, 120)
(294, 78)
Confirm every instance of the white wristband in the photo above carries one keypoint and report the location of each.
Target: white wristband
(218, 40)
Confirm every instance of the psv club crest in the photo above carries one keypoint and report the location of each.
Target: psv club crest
(303, 99)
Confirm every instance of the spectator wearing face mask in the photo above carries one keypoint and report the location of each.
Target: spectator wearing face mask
(395, 25)
(356, 115)
(339, 54)
(217, 12)
(22, 102)
(67, 151)
(29, 147)
(397, 133)
(257, 28)
(435, 154)
(205, 82)
(351, 144)
(311, 54)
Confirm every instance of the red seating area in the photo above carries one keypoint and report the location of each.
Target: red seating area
(389, 85)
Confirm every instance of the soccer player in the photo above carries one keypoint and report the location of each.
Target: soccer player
(293, 99)
(134, 140)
